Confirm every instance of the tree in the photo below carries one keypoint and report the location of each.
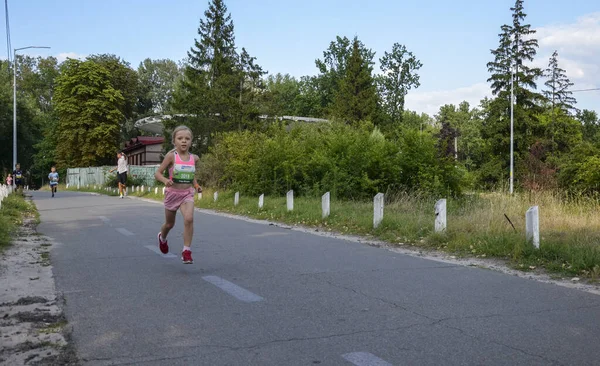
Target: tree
(399, 75)
(332, 68)
(558, 85)
(27, 129)
(218, 83)
(89, 110)
(157, 80)
(516, 48)
(123, 78)
(590, 124)
(356, 99)
(281, 95)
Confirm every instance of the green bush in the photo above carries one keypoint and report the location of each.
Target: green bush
(350, 162)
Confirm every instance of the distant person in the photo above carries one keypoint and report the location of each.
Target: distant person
(19, 178)
(179, 194)
(9, 180)
(121, 173)
(53, 177)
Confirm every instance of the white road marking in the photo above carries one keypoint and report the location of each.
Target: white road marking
(125, 231)
(232, 289)
(365, 359)
(105, 219)
(269, 233)
(155, 249)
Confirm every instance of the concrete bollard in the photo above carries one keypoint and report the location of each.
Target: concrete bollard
(325, 205)
(67, 185)
(440, 215)
(155, 190)
(199, 195)
(532, 226)
(215, 196)
(142, 189)
(261, 200)
(163, 192)
(290, 200)
(236, 199)
(377, 209)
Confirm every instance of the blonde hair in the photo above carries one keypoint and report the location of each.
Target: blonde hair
(181, 128)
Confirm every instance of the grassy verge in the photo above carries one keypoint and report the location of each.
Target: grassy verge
(12, 213)
(477, 226)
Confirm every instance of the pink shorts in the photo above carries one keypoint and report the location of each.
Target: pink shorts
(176, 197)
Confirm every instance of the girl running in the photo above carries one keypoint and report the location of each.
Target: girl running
(181, 186)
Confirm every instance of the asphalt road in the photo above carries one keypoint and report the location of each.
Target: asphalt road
(264, 295)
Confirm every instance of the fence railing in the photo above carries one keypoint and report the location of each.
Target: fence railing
(100, 175)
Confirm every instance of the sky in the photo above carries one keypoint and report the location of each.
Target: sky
(452, 39)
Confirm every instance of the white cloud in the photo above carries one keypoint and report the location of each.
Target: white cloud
(581, 37)
(430, 102)
(578, 46)
(65, 55)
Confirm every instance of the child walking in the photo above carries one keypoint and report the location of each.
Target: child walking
(53, 177)
(179, 194)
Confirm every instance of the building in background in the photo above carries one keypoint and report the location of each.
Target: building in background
(144, 150)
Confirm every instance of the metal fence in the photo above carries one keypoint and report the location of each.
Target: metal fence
(93, 176)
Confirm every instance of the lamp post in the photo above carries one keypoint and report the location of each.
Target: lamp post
(15, 101)
(512, 103)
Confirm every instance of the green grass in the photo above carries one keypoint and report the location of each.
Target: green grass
(477, 227)
(12, 213)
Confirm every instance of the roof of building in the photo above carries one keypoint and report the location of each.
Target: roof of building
(139, 141)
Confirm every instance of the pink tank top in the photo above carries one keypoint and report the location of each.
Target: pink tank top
(182, 171)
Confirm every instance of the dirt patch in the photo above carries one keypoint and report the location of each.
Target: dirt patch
(33, 328)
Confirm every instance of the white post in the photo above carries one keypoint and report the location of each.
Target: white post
(377, 209)
(163, 192)
(155, 190)
(77, 186)
(67, 185)
(215, 196)
(325, 204)
(532, 226)
(199, 195)
(236, 199)
(261, 200)
(512, 104)
(440, 215)
(290, 200)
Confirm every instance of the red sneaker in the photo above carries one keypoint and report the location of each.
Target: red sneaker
(186, 257)
(163, 245)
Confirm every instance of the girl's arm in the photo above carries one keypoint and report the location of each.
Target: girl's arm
(196, 185)
(158, 175)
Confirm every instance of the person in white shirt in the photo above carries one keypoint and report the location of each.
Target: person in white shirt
(121, 173)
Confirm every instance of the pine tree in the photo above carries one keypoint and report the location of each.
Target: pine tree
(216, 79)
(356, 99)
(558, 84)
(524, 50)
(516, 49)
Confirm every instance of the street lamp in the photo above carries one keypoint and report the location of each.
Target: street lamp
(15, 101)
(512, 103)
